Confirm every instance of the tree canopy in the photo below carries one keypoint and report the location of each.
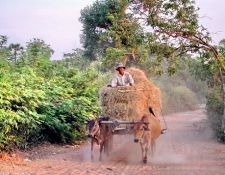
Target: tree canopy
(139, 29)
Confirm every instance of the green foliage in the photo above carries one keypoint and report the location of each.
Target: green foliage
(113, 55)
(215, 108)
(174, 22)
(16, 50)
(205, 69)
(181, 91)
(36, 49)
(120, 32)
(44, 100)
(222, 47)
(4, 51)
(160, 29)
(18, 99)
(77, 59)
(3, 40)
(179, 99)
(36, 107)
(106, 24)
(208, 70)
(95, 20)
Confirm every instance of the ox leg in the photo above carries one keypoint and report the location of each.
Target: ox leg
(111, 144)
(92, 145)
(142, 151)
(101, 149)
(145, 154)
(106, 147)
(152, 148)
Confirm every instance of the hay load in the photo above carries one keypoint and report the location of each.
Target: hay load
(128, 103)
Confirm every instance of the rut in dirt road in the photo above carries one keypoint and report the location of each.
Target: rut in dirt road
(188, 148)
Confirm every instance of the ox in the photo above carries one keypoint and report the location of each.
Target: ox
(101, 134)
(146, 131)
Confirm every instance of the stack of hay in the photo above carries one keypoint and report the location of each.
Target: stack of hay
(131, 102)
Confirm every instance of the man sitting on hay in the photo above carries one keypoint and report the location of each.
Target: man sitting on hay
(122, 78)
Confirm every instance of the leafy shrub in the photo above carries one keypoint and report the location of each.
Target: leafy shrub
(18, 99)
(215, 109)
(36, 108)
(179, 99)
(181, 92)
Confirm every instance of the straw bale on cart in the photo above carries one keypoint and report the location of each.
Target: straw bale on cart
(131, 102)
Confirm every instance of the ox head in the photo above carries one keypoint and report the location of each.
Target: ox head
(140, 127)
(93, 127)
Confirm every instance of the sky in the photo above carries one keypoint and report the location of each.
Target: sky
(57, 21)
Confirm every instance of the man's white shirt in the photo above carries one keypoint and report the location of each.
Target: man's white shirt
(122, 80)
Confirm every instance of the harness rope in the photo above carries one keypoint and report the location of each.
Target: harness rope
(165, 129)
(131, 90)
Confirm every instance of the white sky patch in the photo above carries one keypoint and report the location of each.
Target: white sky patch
(212, 17)
(54, 21)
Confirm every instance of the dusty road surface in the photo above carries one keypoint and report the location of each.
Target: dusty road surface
(188, 148)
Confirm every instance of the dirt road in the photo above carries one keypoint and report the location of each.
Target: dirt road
(188, 148)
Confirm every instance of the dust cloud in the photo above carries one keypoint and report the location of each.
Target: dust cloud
(175, 147)
(188, 148)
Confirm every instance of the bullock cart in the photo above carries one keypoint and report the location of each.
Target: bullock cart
(128, 110)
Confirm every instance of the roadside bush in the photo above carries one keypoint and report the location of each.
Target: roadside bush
(215, 108)
(36, 108)
(19, 97)
(181, 92)
(178, 99)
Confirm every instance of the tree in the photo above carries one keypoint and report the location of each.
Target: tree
(35, 51)
(175, 23)
(16, 51)
(106, 26)
(4, 51)
(221, 47)
(76, 58)
(95, 22)
(3, 40)
(36, 47)
(166, 29)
